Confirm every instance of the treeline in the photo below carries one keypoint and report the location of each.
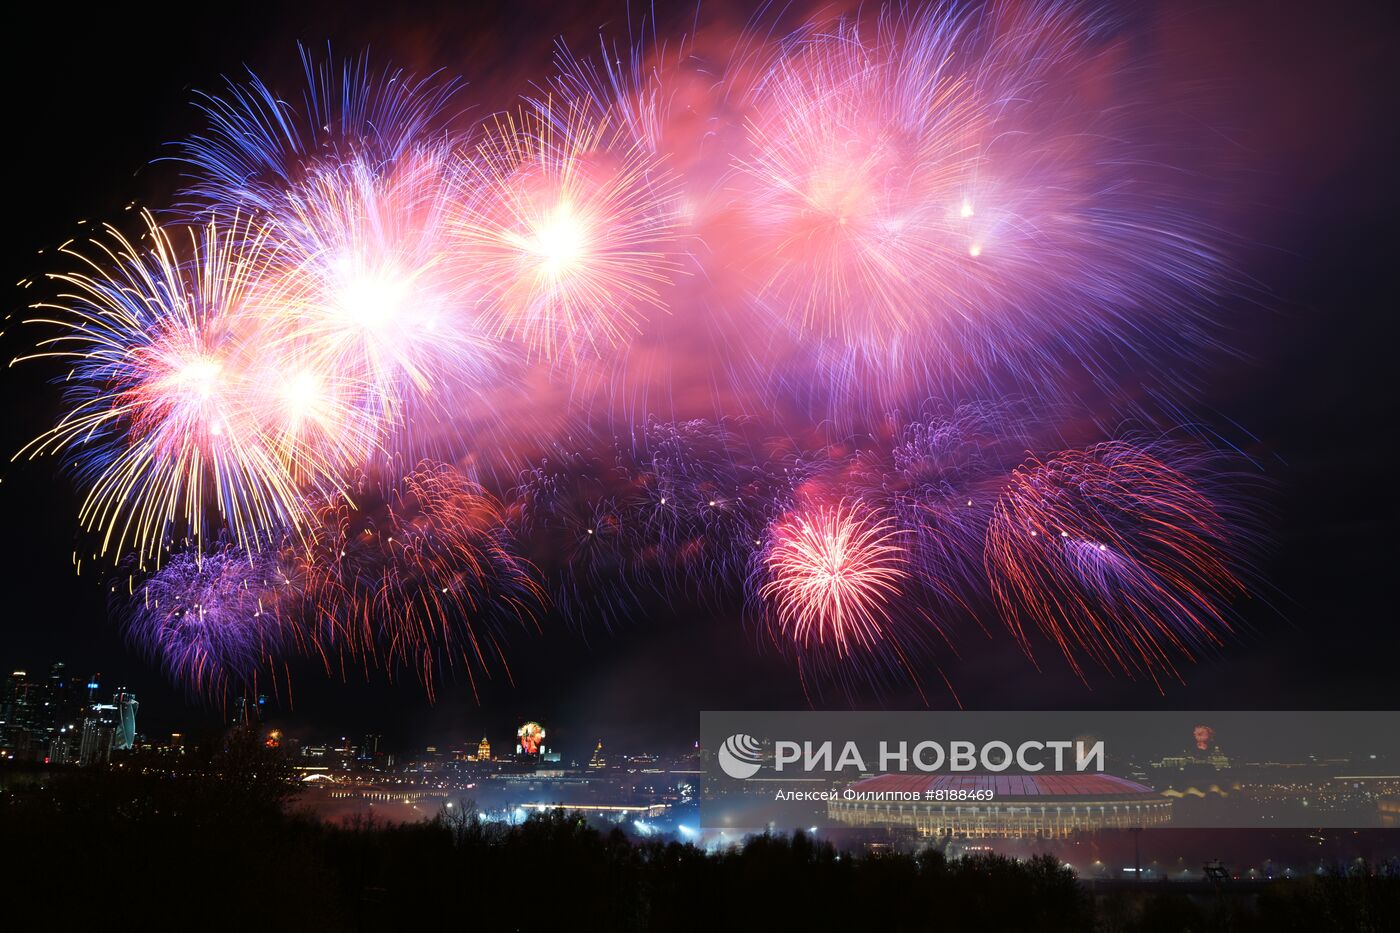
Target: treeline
(213, 846)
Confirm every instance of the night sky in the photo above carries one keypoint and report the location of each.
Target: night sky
(1293, 94)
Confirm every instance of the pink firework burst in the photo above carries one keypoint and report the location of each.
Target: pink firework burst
(830, 574)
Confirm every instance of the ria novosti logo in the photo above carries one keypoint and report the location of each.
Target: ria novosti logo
(740, 756)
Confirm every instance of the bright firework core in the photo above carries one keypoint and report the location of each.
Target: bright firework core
(373, 300)
(558, 242)
(200, 376)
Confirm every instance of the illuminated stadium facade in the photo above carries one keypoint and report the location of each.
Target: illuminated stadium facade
(1001, 806)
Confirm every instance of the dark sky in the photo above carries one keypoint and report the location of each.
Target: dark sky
(1295, 92)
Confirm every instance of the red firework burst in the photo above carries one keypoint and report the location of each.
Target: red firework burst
(1113, 553)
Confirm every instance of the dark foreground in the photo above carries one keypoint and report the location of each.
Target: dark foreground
(215, 848)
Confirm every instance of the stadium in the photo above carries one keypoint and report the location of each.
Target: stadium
(1000, 806)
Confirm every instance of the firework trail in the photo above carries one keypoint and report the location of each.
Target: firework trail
(576, 512)
(258, 145)
(426, 579)
(214, 620)
(938, 476)
(1114, 553)
(679, 507)
(706, 496)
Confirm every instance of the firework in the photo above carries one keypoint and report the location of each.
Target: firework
(830, 575)
(214, 619)
(705, 499)
(423, 579)
(880, 209)
(382, 301)
(166, 420)
(564, 220)
(939, 477)
(259, 145)
(1114, 553)
(927, 202)
(579, 515)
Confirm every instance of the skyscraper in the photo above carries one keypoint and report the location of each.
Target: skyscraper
(99, 727)
(9, 707)
(124, 735)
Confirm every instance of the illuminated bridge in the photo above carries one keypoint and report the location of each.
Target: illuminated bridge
(616, 810)
(1002, 806)
(382, 795)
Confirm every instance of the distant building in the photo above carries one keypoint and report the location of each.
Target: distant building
(240, 712)
(124, 734)
(98, 730)
(1205, 753)
(18, 714)
(483, 750)
(32, 711)
(64, 746)
(1010, 806)
(598, 761)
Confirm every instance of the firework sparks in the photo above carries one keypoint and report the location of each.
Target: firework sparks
(564, 220)
(879, 209)
(214, 620)
(163, 424)
(259, 145)
(924, 203)
(1113, 553)
(831, 572)
(423, 580)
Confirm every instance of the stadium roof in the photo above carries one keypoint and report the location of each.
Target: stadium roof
(1096, 786)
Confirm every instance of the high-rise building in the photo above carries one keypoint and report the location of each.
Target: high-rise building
(483, 750)
(59, 706)
(15, 712)
(64, 746)
(43, 717)
(240, 712)
(598, 761)
(124, 735)
(99, 728)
